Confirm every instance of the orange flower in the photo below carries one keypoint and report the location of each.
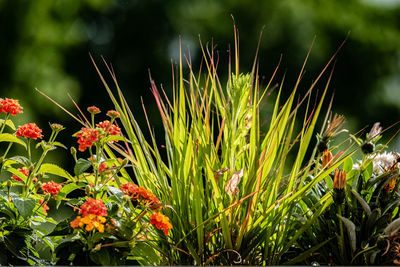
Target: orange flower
(94, 207)
(109, 128)
(29, 130)
(10, 106)
(93, 110)
(86, 138)
(141, 194)
(44, 207)
(24, 171)
(51, 187)
(161, 222)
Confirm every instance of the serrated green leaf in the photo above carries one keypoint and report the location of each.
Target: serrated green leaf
(66, 189)
(54, 169)
(9, 123)
(6, 137)
(81, 166)
(24, 206)
(351, 231)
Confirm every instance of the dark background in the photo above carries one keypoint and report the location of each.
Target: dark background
(46, 44)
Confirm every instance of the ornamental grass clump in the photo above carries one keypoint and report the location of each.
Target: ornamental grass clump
(225, 183)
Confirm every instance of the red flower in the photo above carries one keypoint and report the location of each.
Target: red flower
(109, 128)
(87, 137)
(161, 222)
(93, 110)
(102, 166)
(51, 187)
(44, 206)
(24, 171)
(93, 206)
(113, 114)
(10, 106)
(29, 130)
(141, 194)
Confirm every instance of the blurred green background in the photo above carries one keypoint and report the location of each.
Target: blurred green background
(45, 44)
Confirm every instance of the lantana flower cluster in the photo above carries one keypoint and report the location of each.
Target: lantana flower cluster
(142, 195)
(88, 136)
(93, 213)
(10, 106)
(51, 188)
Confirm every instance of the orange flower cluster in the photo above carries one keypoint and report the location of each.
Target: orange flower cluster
(51, 187)
(10, 106)
(161, 222)
(109, 128)
(29, 130)
(24, 171)
(93, 206)
(44, 206)
(91, 221)
(141, 194)
(86, 138)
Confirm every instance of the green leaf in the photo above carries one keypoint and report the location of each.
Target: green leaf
(81, 166)
(65, 190)
(368, 171)
(351, 231)
(114, 138)
(9, 123)
(362, 202)
(145, 254)
(348, 165)
(59, 144)
(303, 256)
(393, 227)
(54, 169)
(24, 206)
(6, 137)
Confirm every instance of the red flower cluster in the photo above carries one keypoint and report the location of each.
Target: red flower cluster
(141, 194)
(94, 207)
(161, 222)
(109, 128)
(10, 106)
(102, 166)
(93, 110)
(24, 171)
(51, 187)
(87, 137)
(44, 206)
(29, 130)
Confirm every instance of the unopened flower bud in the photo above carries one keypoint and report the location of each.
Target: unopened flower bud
(368, 148)
(88, 189)
(9, 183)
(339, 183)
(93, 110)
(113, 114)
(56, 127)
(327, 159)
(73, 152)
